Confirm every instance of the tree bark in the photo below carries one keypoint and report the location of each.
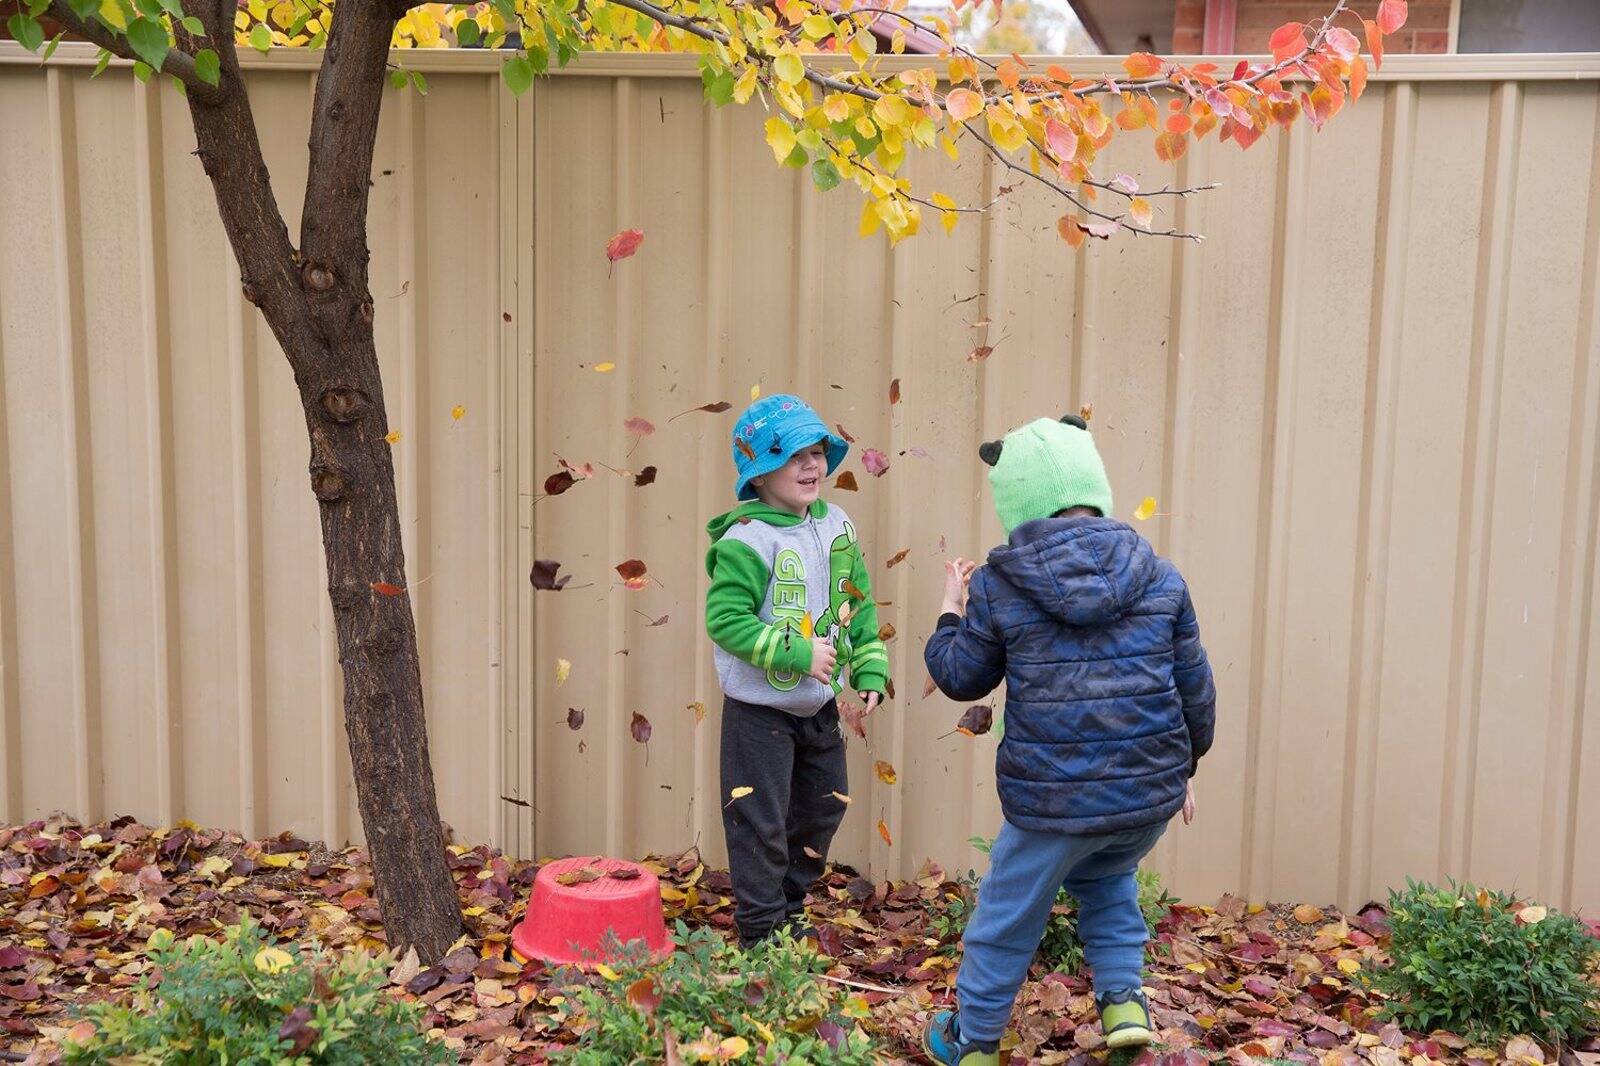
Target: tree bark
(317, 303)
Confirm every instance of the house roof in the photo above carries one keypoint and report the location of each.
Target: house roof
(918, 41)
(1123, 26)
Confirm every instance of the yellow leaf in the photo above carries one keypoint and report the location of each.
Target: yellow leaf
(1139, 211)
(111, 11)
(563, 671)
(1349, 966)
(393, 436)
(780, 137)
(458, 412)
(732, 1048)
(280, 860)
(604, 368)
(947, 212)
(885, 772)
(869, 219)
(283, 14)
(740, 793)
(842, 798)
(807, 626)
(890, 110)
(213, 866)
(1006, 131)
(745, 86)
(789, 69)
(950, 149)
(272, 960)
(817, 26)
(607, 972)
(836, 106)
(1532, 915)
(699, 710)
(1145, 509)
(755, 392)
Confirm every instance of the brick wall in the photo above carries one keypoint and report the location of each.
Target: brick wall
(1427, 29)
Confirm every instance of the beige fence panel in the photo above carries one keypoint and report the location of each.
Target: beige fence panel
(1368, 405)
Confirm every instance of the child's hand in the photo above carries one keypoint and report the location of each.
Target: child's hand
(1188, 804)
(871, 700)
(957, 573)
(823, 659)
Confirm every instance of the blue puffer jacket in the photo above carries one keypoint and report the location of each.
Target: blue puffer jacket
(1109, 697)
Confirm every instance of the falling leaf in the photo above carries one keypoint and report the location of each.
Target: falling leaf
(1086, 412)
(929, 687)
(709, 408)
(639, 427)
(875, 462)
(883, 831)
(559, 482)
(812, 853)
(640, 728)
(980, 353)
(564, 671)
(844, 433)
(842, 798)
(897, 558)
(854, 715)
(846, 482)
(739, 793)
(604, 368)
(1145, 509)
(386, 588)
(854, 592)
(505, 316)
(894, 392)
(807, 626)
(574, 719)
(885, 772)
(699, 709)
(652, 623)
(744, 448)
(624, 244)
(976, 721)
(543, 576)
(918, 452)
(633, 573)
(755, 392)
(458, 412)
(393, 436)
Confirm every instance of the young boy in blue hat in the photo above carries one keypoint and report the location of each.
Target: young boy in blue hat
(790, 609)
(1109, 706)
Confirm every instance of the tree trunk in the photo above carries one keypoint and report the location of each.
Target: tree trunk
(317, 303)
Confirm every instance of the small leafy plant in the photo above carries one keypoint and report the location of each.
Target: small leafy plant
(712, 1001)
(1061, 946)
(1487, 966)
(243, 1001)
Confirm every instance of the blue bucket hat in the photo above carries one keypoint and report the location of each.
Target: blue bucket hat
(770, 432)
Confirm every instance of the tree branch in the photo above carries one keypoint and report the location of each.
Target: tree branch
(178, 63)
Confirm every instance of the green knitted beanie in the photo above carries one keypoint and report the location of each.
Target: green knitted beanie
(1044, 467)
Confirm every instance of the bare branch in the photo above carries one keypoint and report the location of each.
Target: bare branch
(178, 63)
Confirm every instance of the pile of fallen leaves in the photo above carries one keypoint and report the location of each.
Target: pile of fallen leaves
(1232, 982)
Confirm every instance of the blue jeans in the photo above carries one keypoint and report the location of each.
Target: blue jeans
(1014, 902)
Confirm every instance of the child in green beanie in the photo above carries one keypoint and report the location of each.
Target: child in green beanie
(1109, 706)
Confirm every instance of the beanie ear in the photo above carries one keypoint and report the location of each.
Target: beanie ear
(1074, 420)
(989, 451)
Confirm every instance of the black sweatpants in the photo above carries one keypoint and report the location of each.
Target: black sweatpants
(795, 765)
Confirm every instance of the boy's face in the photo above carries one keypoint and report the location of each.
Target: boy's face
(795, 485)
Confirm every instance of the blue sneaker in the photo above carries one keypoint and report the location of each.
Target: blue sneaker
(943, 1042)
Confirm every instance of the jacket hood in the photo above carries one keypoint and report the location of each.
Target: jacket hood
(1083, 571)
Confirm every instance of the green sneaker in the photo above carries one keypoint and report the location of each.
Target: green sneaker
(1125, 1018)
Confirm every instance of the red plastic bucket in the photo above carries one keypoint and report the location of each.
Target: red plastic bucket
(568, 924)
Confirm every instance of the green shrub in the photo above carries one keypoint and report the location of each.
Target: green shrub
(1061, 946)
(764, 1005)
(242, 1001)
(1486, 966)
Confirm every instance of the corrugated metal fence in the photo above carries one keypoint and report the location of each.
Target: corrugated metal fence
(1369, 406)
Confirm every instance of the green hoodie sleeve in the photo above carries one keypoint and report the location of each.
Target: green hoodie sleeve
(869, 658)
(739, 580)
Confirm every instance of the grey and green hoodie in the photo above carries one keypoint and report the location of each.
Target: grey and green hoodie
(771, 571)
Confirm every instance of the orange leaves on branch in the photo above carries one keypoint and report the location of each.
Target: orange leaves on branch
(963, 104)
(1374, 42)
(1391, 15)
(1169, 147)
(1142, 65)
(1287, 41)
(1070, 231)
(1061, 140)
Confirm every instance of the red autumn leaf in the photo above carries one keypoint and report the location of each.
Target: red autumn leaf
(639, 427)
(854, 592)
(644, 995)
(1072, 233)
(897, 558)
(894, 392)
(875, 462)
(633, 573)
(624, 873)
(559, 482)
(1391, 15)
(640, 728)
(624, 244)
(1374, 42)
(647, 476)
(1358, 77)
(543, 576)
(1287, 41)
(846, 481)
(386, 588)
(854, 715)
(1241, 70)
(844, 433)
(298, 1030)
(574, 719)
(883, 831)
(1343, 43)
(1062, 141)
(744, 448)
(976, 721)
